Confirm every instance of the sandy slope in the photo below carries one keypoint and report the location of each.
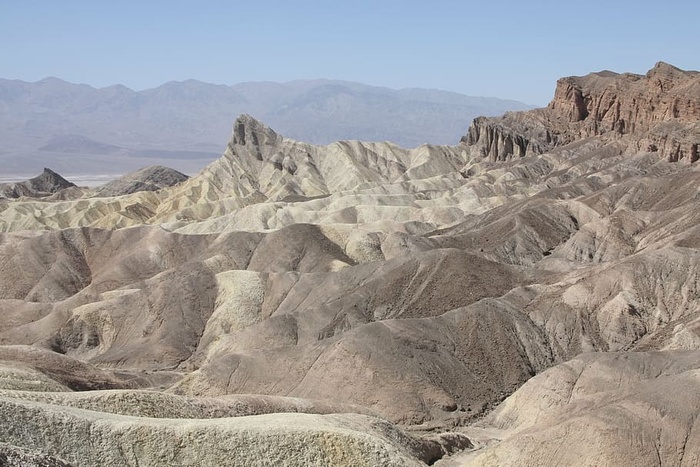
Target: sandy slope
(421, 286)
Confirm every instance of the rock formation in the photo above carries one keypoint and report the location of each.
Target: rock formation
(458, 305)
(185, 124)
(152, 178)
(658, 112)
(48, 183)
(15, 456)
(615, 409)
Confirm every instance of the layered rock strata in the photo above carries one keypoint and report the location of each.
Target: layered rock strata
(656, 112)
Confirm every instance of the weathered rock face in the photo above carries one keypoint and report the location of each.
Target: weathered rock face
(88, 438)
(498, 142)
(49, 182)
(656, 112)
(628, 102)
(13, 456)
(151, 178)
(264, 430)
(626, 409)
(422, 285)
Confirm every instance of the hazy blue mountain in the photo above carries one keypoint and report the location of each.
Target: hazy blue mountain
(78, 129)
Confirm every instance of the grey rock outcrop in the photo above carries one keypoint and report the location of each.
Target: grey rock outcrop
(607, 409)
(152, 178)
(46, 184)
(500, 141)
(13, 456)
(88, 438)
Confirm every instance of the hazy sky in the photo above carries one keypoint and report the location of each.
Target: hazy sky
(507, 49)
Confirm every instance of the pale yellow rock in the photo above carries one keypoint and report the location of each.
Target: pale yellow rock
(280, 439)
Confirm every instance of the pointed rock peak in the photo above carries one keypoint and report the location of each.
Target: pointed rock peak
(49, 174)
(665, 69)
(245, 120)
(665, 77)
(605, 74)
(665, 66)
(150, 178)
(49, 182)
(249, 131)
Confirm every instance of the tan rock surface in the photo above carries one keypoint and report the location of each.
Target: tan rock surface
(601, 409)
(424, 286)
(88, 438)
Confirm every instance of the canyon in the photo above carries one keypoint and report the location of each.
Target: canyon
(527, 296)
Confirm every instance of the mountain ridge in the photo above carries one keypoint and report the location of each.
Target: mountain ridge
(536, 303)
(657, 111)
(194, 116)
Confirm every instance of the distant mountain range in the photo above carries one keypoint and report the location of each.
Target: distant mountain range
(78, 129)
(528, 297)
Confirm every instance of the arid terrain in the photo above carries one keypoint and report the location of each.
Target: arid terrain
(528, 296)
(78, 129)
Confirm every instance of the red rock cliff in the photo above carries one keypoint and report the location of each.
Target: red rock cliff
(656, 112)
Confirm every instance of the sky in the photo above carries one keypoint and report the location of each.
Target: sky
(507, 49)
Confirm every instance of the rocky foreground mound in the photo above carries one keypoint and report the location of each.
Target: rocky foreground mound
(549, 263)
(296, 439)
(636, 408)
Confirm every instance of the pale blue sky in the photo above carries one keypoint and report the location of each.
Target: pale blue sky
(507, 49)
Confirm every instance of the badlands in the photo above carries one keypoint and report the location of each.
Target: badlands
(529, 296)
